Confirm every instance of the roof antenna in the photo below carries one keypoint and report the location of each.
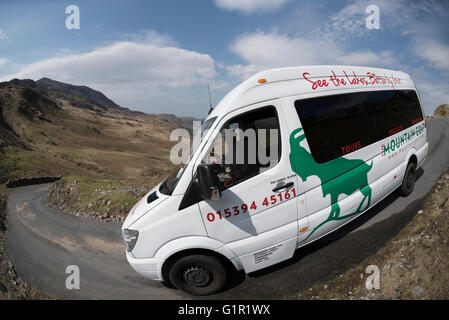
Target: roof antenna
(210, 100)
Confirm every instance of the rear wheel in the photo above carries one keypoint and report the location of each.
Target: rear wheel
(409, 180)
(198, 274)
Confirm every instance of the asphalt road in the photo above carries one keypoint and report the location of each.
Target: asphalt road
(42, 242)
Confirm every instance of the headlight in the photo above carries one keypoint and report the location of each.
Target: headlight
(130, 237)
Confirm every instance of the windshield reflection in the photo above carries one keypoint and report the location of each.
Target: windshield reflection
(175, 175)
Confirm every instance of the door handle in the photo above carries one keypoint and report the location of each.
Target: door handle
(285, 186)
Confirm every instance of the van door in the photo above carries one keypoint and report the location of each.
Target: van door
(256, 216)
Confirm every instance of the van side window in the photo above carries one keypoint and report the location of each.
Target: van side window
(336, 125)
(250, 144)
(398, 111)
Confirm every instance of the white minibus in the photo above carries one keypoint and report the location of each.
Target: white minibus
(339, 140)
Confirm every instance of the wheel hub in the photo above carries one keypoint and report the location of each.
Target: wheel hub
(198, 276)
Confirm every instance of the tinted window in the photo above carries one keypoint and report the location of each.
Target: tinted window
(336, 125)
(397, 111)
(340, 124)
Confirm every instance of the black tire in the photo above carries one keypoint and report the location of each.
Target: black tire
(168, 284)
(198, 275)
(408, 183)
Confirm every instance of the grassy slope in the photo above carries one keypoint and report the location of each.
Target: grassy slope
(69, 140)
(106, 199)
(413, 265)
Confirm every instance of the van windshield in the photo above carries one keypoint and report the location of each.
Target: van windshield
(172, 180)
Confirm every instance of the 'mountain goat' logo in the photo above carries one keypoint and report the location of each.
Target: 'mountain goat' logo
(337, 176)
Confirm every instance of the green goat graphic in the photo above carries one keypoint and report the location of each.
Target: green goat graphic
(337, 176)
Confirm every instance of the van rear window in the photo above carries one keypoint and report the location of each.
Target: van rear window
(340, 124)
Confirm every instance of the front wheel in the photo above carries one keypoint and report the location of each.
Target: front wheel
(198, 275)
(409, 180)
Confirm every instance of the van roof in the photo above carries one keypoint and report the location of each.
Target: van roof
(292, 81)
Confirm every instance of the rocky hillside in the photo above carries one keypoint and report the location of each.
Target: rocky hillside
(412, 265)
(103, 199)
(52, 128)
(79, 96)
(442, 111)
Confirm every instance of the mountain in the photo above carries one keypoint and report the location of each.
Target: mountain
(53, 128)
(79, 96)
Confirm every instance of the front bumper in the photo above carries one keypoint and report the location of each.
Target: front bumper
(148, 268)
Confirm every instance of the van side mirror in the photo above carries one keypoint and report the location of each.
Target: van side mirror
(208, 184)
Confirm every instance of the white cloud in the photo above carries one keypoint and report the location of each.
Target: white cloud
(369, 58)
(3, 61)
(401, 16)
(151, 36)
(241, 71)
(250, 6)
(346, 24)
(125, 62)
(3, 35)
(436, 53)
(433, 92)
(275, 50)
(151, 76)
(271, 50)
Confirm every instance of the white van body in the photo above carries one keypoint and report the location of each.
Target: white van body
(321, 195)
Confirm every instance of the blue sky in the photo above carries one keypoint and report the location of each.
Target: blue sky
(159, 56)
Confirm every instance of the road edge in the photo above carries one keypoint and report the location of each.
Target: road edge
(12, 287)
